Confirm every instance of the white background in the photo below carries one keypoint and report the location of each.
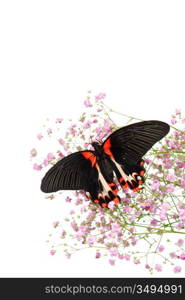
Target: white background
(51, 53)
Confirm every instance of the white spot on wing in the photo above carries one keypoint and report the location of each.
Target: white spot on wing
(106, 187)
(125, 177)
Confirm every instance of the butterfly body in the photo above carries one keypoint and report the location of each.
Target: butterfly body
(117, 162)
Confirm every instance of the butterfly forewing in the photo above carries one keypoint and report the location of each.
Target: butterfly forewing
(70, 173)
(133, 141)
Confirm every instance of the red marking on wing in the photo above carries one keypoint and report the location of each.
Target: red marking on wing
(142, 172)
(113, 188)
(106, 148)
(121, 179)
(125, 186)
(136, 189)
(90, 156)
(116, 200)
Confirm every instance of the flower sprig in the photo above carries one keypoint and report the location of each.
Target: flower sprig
(151, 219)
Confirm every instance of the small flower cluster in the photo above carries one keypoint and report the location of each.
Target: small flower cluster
(151, 219)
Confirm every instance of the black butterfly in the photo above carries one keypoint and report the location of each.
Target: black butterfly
(94, 171)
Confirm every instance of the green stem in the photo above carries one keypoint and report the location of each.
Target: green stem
(156, 152)
(169, 223)
(176, 128)
(159, 232)
(124, 115)
(158, 243)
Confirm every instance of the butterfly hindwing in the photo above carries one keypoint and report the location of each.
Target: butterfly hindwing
(106, 190)
(126, 147)
(130, 176)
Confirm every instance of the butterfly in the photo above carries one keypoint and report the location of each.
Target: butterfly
(117, 161)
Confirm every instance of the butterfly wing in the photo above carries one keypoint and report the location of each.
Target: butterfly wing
(105, 189)
(70, 173)
(80, 171)
(126, 147)
(133, 141)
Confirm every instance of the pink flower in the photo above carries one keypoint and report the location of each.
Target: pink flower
(133, 240)
(74, 226)
(178, 111)
(112, 262)
(181, 164)
(171, 177)
(60, 154)
(33, 152)
(182, 256)
(100, 96)
(45, 162)
(127, 257)
(155, 185)
(127, 209)
(182, 213)
(79, 236)
(153, 222)
(98, 254)
(148, 205)
(111, 205)
(73, 131)
(50, 156)
(161, 248)
(55, 224)
(182, 184)
(162, 215)
(158, 268)
(180, 242)
(37, 167)
(59, 120)
(165, 206)
(113, 251)
(49, 131)
(87, 103)
(170, 188)
(91, 240)
(177, 269)
(148, 161)
(87, 125)
(62, 142)
(173, 121)
(147, 266)
(39, 136)
(115, 227)
(52, 252)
